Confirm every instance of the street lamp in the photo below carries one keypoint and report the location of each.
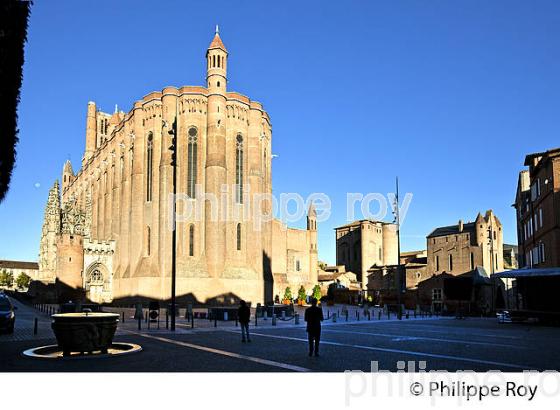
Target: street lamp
(398, 276)
(173, 149)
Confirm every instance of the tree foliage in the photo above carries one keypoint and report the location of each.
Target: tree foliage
(23, 280)
(6, 279)
(301, 293)
(288, 293)
(317, 292)
(13, 34)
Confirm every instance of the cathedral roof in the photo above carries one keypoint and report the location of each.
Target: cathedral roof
(217, 43)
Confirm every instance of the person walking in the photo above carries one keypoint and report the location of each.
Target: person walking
(314, 317)
(243, 315)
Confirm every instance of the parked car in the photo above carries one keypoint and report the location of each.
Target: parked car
(7, 314)
(504, 317)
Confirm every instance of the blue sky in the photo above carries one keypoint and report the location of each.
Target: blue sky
(449, 95)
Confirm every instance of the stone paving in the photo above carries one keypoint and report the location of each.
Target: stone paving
(440, 343)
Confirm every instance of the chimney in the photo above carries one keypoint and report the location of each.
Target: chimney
(460, 225)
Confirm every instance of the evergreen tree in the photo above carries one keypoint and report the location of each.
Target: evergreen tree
(317, 292)
(301, 293)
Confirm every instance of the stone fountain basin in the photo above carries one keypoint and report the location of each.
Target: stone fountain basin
(84, 332)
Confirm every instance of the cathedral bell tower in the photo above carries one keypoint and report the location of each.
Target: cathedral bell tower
(312, 232)
(216, 170)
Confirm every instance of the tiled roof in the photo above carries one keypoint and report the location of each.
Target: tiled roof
(217, 43)
(451, 229)
(18, 265)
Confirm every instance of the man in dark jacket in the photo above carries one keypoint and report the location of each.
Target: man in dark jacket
(314, 317)
(243, 315)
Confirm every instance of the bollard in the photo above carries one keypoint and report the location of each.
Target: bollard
(187, 314)
(255, 318)
(192, 321)
(378, 315)
(334, 317)
(146, 317)
(358, 315)
(274, 320)
(296, 318)
(123, 316)
(368, 315)
(225, 316)
(215, 319)
(328, 314)
(140, 324)
(166, 319)
(35, 326)
(347, 316)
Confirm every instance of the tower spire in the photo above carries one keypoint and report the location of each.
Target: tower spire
(217, 29)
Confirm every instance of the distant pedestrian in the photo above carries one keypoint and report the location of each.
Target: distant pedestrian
(314, 317)
(243, 315)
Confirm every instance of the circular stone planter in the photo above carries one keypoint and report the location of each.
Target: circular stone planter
(54, 352)
(84, 332)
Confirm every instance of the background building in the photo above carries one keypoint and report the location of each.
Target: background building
(16, 268)
(382, 280)
(537, 204)
(363, 244)
(460, 248)
(108, 232)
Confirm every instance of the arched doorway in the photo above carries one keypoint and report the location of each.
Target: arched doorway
(97, 284)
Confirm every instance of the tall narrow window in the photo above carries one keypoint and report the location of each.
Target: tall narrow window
(191, 240)
(121, 167)
(192, 162)
(238, 237)
(265, 172)
(450, 263)
(149, 166)
(472, 261)
(437, 263)
(239, 169)
(148, 241)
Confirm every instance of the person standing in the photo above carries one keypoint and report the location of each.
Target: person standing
(243, 315)
(314, 317)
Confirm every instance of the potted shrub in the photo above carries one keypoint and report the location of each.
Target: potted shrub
(301, 296)
(287, 296)
(317, 293)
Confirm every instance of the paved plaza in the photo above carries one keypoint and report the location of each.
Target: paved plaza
(442, 343)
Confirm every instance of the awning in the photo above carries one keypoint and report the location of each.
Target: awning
(528, 273)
